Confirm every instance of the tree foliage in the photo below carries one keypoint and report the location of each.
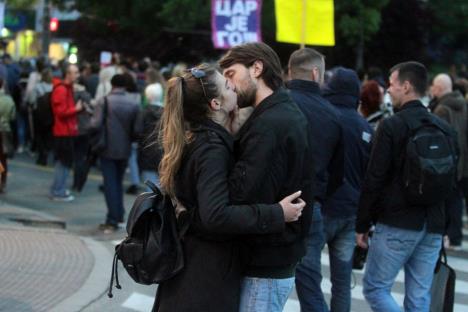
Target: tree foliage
(358, 19)
(449, 17)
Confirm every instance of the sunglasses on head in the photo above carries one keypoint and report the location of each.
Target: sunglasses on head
(199, 74)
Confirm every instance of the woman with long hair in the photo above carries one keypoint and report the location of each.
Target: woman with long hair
(370, 103)
(198, 155)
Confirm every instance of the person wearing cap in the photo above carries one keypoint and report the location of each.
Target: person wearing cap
(121, 111)
(339, 210)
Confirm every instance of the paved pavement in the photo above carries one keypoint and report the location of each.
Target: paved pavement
(53, 258)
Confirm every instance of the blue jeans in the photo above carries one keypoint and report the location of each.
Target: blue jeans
(133, 165)
(21, 128)
(59, 185)
(264, 294)
(152, 176)
(340, 238)
(113, 171)
(308, 271)
(390, 250)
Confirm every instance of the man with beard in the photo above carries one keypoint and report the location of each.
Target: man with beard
(273, 153)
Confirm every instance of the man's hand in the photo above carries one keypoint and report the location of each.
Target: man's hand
(362, 240)
(292, 206)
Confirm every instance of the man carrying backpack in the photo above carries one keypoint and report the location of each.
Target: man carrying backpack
(411, 169)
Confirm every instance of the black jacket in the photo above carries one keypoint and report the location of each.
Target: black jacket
(211, 277)
(382, 198)
(273, 160)
(357, 135)
(149, 149)
(202, 183)
(327, 133)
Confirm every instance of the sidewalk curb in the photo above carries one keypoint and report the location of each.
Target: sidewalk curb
(97, 283)
(27, 216)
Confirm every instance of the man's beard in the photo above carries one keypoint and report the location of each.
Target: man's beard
(246, 98)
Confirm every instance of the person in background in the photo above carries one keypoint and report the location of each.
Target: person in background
(81, 142)
(340, 208)
(105, 76)
(65, 129)
(149, 149)
(154, 77)
(451, 107)
(132, 91)
(406, 235)
(92, 81)
(122, 112)
(41, 115)
(371, 100)
(306, 71)
(7, 114)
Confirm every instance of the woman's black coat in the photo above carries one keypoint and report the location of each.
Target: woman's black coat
(211, 278)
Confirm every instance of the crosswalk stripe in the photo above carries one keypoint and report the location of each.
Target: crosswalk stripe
(139, 302)
(292, 305)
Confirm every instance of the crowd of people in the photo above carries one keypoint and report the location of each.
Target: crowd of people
(267, 166)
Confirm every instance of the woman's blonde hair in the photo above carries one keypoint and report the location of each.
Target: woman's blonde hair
(186, 104)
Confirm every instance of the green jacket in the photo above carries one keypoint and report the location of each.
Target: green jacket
(7, 112)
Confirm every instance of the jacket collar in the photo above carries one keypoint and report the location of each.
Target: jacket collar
(412, 104)
(278, 96)
(209, 125)
(304, 86)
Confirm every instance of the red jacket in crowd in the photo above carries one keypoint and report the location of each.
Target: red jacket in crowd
(63, 107)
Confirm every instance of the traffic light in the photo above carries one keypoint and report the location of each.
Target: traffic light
(54, 24)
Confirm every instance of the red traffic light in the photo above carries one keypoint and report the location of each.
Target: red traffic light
(54, 23)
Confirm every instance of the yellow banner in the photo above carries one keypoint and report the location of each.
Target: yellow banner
(313, 25)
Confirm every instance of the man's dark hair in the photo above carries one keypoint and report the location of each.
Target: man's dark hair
(119, 81)
(246, 54)
(303, 60)
(413, 72)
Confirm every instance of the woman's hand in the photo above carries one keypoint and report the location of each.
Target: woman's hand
(292, 207)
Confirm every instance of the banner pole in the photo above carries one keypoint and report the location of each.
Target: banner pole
(304, 22)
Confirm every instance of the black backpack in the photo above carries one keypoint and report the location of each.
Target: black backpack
(152, 251)
(430, 161)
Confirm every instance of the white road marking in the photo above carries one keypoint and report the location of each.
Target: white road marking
(139, 302)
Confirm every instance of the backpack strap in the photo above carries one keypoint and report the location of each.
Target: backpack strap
(187, 220)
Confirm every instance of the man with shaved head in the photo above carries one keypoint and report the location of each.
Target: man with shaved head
(450, 106)
(306, 70)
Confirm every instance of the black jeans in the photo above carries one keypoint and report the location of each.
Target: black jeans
(80, 166)
(454, 205)
(464, 188)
